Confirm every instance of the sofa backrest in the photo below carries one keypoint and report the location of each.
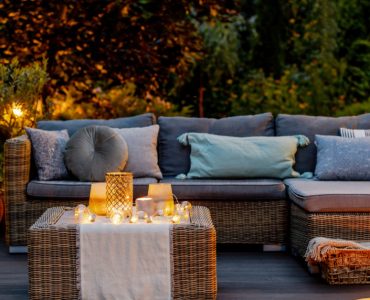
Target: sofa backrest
(309, 126)
(174, 158)
(73, 125)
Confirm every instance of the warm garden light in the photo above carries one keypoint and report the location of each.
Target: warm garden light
(17, 111)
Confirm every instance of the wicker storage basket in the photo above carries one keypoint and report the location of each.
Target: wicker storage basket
(347, 266)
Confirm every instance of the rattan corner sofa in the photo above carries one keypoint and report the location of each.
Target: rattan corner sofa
(247, 211)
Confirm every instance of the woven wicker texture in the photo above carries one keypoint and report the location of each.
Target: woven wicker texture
(249, 222)
(119, 191)
(53, 254)
(17, 157)
(346, 266)
(348, 226)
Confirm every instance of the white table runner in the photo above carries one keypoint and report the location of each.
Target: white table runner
(126, 261)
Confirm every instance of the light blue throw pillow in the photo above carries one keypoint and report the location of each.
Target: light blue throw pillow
(340, 158)
(215, 156)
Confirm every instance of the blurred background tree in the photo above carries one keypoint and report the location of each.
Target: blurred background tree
(201, 58)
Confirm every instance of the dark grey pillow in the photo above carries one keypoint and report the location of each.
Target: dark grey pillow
(95, 150)
(340, 158)
(48, 147)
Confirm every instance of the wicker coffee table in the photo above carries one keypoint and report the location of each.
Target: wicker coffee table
(53, 254)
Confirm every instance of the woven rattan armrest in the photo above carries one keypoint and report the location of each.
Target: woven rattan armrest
(17, 163)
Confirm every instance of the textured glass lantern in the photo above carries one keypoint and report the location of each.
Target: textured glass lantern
(119, 191)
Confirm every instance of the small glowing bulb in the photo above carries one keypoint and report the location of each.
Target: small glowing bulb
(92, 218)
(17, 111)
(134, 219)
(167, 211)
(116, 218)
(186, 205)
(79, 210)
(176, 219)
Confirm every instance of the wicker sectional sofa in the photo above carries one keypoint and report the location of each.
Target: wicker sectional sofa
(249, 211)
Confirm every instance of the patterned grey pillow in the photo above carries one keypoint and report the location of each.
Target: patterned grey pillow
(48, 148)
(354, 133)
(340, 158)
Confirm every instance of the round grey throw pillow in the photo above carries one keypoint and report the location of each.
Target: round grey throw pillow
(93, 151)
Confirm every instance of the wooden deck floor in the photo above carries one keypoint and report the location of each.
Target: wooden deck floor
(242, 274)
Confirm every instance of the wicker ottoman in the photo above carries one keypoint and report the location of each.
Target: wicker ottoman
(53, 252)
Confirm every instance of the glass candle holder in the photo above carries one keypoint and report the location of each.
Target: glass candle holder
(119, 191)
(162, 196)
(97, 199)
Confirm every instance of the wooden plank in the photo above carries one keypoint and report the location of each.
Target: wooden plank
(243, 273)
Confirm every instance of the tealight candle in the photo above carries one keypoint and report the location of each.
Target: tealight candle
(145, 204)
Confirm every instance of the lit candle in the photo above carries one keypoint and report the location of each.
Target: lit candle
(145, 204)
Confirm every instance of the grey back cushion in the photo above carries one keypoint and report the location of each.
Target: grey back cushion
(142, 151)
(174, 158)
(310, 126)
(95, 150)
(73, 125)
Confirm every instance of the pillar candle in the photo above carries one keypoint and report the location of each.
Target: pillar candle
(145, 204)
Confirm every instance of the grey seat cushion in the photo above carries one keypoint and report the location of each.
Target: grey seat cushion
(309, 126)
(329, 196)
(74, 125)
(224, 189)
(174, 158)
(95, 150)
(76, 189)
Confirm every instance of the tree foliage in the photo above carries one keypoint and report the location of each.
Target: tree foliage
(213, 58)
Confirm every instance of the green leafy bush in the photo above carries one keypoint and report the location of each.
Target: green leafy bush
(20, 96)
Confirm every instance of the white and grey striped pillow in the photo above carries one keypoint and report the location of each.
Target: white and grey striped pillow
(354, 133)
